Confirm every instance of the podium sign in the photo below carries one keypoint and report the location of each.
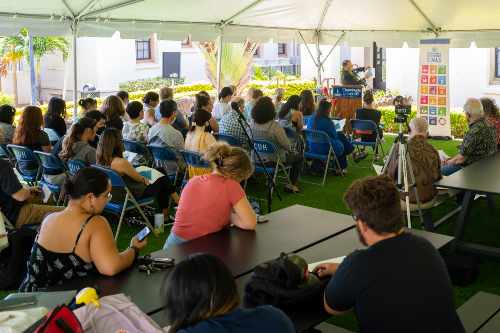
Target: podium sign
(347, 100)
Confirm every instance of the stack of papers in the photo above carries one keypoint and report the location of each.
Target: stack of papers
(337, 260)
(149, 173)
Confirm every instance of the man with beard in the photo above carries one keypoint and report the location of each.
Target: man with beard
(399, 283)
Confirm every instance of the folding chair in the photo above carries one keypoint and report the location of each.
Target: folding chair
(26, 164)
(5, 154)
(136, 147)
(231, 140)
(75, 165)
(161, 156)
(268, 151)
(51, 166)
(322, 139)
(193, 159)
(362, 128)
(53, 136)
(128, 203)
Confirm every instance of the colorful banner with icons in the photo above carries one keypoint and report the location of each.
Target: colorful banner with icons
(433, 86)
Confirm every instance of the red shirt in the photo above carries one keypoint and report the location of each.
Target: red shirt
(205, 205)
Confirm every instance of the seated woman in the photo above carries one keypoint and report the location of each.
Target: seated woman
(29, 131)
(76, 145)
(212, 202)
(265, 128)
(78, 241)
(321, 122)
(492, 115)
(289, 114)
(151, 100)
(307, 104)
(99, 126)
(112, 108)
(110, 154)
(7, 114)
(54, 118)
(221, 107)
(279, 96)
(135, 130)
(205, 278)
(204, 102)
(199, 140)
(87, 104)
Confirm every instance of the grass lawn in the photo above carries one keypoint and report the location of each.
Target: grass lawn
(483, 227)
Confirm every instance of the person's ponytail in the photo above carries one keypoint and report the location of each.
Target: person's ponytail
(75, 134)
(231, 162)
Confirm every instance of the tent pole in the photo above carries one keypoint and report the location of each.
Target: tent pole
(307, 48)
(219, 58)
(433, 28)
(74, 29)
(32, 70)
(333, 48)
(319, 64)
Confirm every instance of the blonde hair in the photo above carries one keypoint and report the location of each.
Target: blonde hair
(231, 162)
(419, 125)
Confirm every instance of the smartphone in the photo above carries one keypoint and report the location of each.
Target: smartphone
(143, 234)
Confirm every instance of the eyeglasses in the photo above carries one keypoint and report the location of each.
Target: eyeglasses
(109, 196)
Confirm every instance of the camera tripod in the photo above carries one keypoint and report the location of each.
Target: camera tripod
(405, 169)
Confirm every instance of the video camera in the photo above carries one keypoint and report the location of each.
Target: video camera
(402, 109)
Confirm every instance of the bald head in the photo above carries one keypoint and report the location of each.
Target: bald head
(473, 109)
(418, 126)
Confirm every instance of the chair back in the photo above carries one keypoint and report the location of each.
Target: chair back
(363, 127)
(114, 177)
(4, 152)
(266, 149)
(75, 165)
(51, 164)
(135, 147)
(53, 136)
(231, 140)
(194, 159)
(162, 153)
(314, 136)
(27, 163)
(306, 118)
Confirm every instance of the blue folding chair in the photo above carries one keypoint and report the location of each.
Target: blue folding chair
(75, 165)
(363, 128)
(320, 138)
(53, 136)
(129, 202)
(306, 118)
(193, 159)
(136, 147)
(269, 152)
(51, 166)
(26, 164)
(4, 153)
(229, 139)
(165, 155)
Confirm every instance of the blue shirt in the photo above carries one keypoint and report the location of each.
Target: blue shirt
(326, 125)
(260, 319)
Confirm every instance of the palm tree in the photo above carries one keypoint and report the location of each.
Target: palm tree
(235, 65)
(12, 52)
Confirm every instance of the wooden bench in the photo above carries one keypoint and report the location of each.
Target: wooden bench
(481, 313)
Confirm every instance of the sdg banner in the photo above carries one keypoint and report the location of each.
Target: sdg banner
(433, 86)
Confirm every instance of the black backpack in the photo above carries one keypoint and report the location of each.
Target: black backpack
(278, 282)
(13, 259)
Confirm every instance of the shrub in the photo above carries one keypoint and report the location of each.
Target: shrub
(5, 99)
(149, 84)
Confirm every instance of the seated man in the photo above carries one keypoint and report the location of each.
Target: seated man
(424, 159)
(479, 142)
(16, 200)
(399, 283)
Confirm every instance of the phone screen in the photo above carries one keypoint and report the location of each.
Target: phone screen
(143, 234)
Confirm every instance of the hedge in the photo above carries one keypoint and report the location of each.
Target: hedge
(149, 84)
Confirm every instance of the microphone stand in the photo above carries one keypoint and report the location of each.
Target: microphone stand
(271, 184)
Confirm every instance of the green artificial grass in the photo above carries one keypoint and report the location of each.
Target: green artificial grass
(482, 226)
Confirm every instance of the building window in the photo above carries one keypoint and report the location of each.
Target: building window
(143, 49)
(282, 50)
(256, 54)
(497, 63)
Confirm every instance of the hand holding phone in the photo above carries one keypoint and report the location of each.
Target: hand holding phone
(141, 235)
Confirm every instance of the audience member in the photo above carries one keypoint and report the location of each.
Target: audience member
(289, 114)
(204, 102)
(425, 162)
(134, 129)
(479, 142)
(150, 118)
(21, 204)
(180, 122)
(264, 127)
(307, 105)
(78, 241)
(29, 132)
(7, 114)
(279, 95)
(54, 118)
(492, 115)
(205, 278)
(370, 112)
(123, 95)
(321, 122)
(395, 275)
(199, 140)
(99, 126)
(211, 202)
(151, 100)
(110, 154)
(112, 108)
(87, 104)
(76, 145)
(222, 106)
(256, 94)
(230, 125)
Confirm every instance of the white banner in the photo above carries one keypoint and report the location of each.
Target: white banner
(433, 86)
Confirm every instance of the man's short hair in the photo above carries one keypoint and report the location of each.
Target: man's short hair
(376, 202)
(167, 108)
(134, 109)
(166, 93)
(474, 108)
(419, 125)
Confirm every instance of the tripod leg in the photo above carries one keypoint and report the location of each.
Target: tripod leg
(415, 189)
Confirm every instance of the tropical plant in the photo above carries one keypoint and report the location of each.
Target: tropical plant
(236, 62)
(12, 52)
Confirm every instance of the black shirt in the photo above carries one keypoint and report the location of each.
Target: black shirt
(57, 124)
(373, 115)
(396, 285)
(351, 79)
(9, 184)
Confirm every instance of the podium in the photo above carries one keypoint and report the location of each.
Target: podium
(347, 99)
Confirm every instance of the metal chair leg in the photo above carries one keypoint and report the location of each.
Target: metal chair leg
(120, 221)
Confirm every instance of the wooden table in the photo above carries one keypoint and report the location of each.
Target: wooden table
(482, 177)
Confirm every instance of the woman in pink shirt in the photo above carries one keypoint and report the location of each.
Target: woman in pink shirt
(213, 201)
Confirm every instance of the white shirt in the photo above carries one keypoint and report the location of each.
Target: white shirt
(220, 109)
